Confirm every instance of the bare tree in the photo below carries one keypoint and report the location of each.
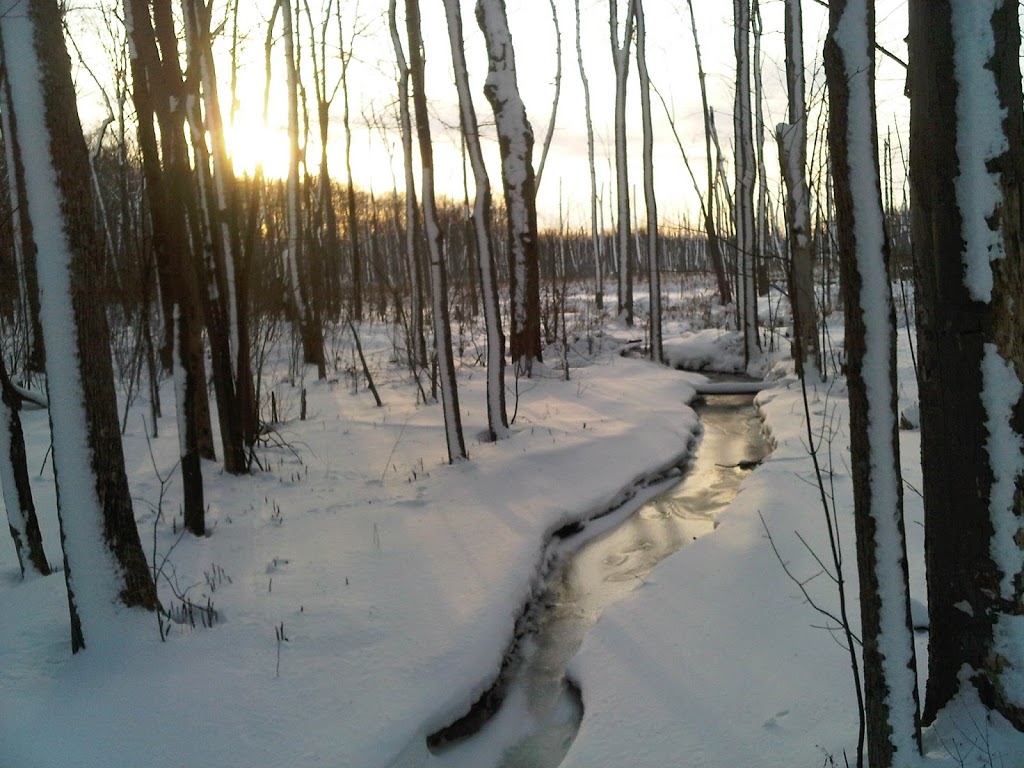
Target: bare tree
(515, 141)
(792, 139)
(438, 269)
(620, 59)
(594, 238)
(104, 565)
(497, 421)
(654, 271)
(744, 198)
(890, 669)
(967, 167)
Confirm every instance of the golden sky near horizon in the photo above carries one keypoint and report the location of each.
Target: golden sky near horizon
(376, 152)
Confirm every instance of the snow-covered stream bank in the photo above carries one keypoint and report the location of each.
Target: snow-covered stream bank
(601, 564)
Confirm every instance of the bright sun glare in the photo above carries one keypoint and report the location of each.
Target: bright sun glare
(251, 143)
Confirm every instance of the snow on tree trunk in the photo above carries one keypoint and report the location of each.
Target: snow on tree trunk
(515, 142)
(654, 271)
(890, 677)
(104, 565)
(792, 139)
(620, 60)
(15, 484)
(497, 422)
(966, 127)
(744, 199)
(438, 271)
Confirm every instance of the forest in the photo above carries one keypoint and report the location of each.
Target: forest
(369, 400)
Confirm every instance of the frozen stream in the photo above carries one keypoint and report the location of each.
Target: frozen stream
(541, 711)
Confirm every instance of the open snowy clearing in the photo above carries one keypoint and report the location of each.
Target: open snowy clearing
(366, 592)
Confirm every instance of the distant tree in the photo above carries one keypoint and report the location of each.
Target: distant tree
(515, 142)
(104, 564)
(890, 669)
(966, 173)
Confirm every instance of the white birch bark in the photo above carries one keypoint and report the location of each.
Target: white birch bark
(620, 60)
(515, 139)
(595, 240)
(744, 197)
(438, 269)
(654, 271)
(497, 421)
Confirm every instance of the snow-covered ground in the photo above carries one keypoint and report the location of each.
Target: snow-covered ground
(395, 580)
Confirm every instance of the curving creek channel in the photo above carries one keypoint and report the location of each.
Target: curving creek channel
(531, 716)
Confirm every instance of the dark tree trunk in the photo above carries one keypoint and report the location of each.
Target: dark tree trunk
(890, 670)
(964, 335)
(102, 549)
(21, 510)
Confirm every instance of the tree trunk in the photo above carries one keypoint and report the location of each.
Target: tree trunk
(515, 141)
(438, 270)
(15, 483)
(744, 202)
(966, 175)
(653, 269)
(792, 138)
(170, 246)
(594, 237)
(497, 421)
(620, 59)
(890, 673)
(103, 559)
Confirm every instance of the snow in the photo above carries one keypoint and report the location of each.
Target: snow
(397, 579)
(980, 140)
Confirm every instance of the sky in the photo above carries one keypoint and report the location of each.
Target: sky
(376, 155)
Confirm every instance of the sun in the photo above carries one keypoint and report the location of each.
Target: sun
(252, 143)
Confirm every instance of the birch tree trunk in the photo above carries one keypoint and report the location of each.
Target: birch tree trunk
(515, 141)
(620, 60)
(497, 421)
(890, 669)
(104, 566)
(438, 270)
(594, 237)
(746, 290)
(966, 125)
(654, 271)
(792, 139)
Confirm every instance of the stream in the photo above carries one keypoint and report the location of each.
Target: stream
(540, 713)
